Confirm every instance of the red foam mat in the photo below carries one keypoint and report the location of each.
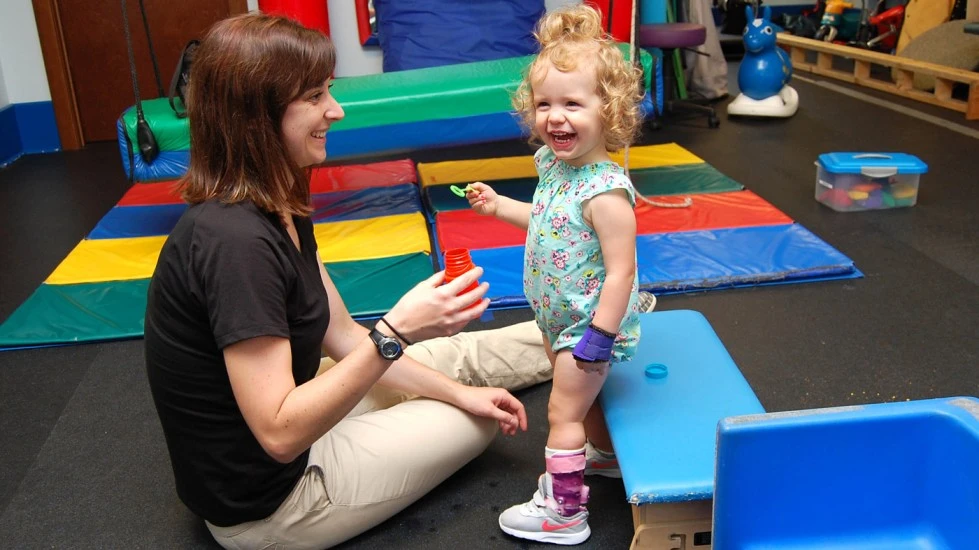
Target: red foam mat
(466, 229)
(324, 179)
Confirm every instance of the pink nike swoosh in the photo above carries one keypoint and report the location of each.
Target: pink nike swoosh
(549, 527)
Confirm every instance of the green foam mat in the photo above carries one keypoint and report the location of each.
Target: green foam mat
(372, 287)
(66, 314)
(91, 312)
(664, 180)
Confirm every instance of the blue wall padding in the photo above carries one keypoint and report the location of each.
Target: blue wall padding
(398, 138)
(37, 126)
(10, 145)
(138, 221)
(680, 412)
(415, 34)
(695, 260)
(366, 203)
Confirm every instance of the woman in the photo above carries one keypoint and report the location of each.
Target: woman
(240, 310)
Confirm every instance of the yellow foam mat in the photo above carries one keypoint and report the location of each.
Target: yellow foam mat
(372, 238)
(101, 260)
(462, 171)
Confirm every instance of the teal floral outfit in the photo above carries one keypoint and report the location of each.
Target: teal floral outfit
(563, 265)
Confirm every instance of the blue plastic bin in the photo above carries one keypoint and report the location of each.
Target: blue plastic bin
(850, 182)
(892, 476)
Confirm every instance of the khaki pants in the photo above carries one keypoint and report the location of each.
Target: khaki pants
(393, 447)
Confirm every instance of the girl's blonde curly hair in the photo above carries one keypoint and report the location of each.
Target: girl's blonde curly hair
(572, 37)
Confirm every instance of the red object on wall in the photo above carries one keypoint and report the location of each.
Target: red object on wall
(603, 8)
(363, 21)
(310, 13)
(617, 17)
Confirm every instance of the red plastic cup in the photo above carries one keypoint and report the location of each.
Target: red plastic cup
(457, 262)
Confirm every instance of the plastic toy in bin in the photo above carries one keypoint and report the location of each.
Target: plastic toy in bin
(457, 262)
(850, 182)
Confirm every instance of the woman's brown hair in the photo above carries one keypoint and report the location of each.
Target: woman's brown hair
(246, 71)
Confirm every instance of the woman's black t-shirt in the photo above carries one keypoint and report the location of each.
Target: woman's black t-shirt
(227, 273)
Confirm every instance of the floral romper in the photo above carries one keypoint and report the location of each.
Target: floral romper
(563, 266)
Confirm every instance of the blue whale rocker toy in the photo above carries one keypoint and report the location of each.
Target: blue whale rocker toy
(765, 71)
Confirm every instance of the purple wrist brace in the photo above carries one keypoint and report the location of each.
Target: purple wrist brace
(594, 347)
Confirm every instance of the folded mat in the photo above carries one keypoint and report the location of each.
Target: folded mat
(727, 237)
(369, 228)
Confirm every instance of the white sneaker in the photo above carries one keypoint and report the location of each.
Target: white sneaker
(600, 463)
(647, 301)
(535, 520)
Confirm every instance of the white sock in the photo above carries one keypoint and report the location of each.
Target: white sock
(551, 453)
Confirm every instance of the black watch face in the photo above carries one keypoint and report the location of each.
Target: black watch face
(390, 348)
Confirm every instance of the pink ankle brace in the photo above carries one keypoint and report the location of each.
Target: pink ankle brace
(567, 471)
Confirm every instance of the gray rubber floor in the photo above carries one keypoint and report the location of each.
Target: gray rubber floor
(82, 457)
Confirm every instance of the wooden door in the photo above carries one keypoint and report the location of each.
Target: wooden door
(98, 62)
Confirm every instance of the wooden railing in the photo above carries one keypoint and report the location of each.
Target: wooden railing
(905, 69)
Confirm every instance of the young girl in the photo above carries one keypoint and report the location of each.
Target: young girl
(581, 99)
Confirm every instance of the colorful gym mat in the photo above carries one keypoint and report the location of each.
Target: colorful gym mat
(369, 227)
(727, 237)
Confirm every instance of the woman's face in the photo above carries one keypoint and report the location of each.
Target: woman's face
(305, 123)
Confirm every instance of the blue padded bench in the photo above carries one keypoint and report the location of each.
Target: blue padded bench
(664, 429)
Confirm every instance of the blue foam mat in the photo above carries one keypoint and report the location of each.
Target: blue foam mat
(138, 221)
(407, 136)
(160, 219)
(366, 203)
(745, 255)
(697, 260)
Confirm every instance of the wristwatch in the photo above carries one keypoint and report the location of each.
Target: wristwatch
(389, 348)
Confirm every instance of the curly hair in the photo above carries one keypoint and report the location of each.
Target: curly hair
(570, 38)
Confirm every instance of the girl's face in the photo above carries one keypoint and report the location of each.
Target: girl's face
(305, 123)
(569, 118)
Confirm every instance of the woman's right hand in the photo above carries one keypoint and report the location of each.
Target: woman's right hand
(483, 199)
(433, 309)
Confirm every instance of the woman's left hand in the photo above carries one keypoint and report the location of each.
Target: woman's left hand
(495, 403)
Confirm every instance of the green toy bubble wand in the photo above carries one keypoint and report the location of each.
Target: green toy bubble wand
(461, 192)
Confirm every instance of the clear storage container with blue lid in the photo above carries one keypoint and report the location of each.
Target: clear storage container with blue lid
(849, 182)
